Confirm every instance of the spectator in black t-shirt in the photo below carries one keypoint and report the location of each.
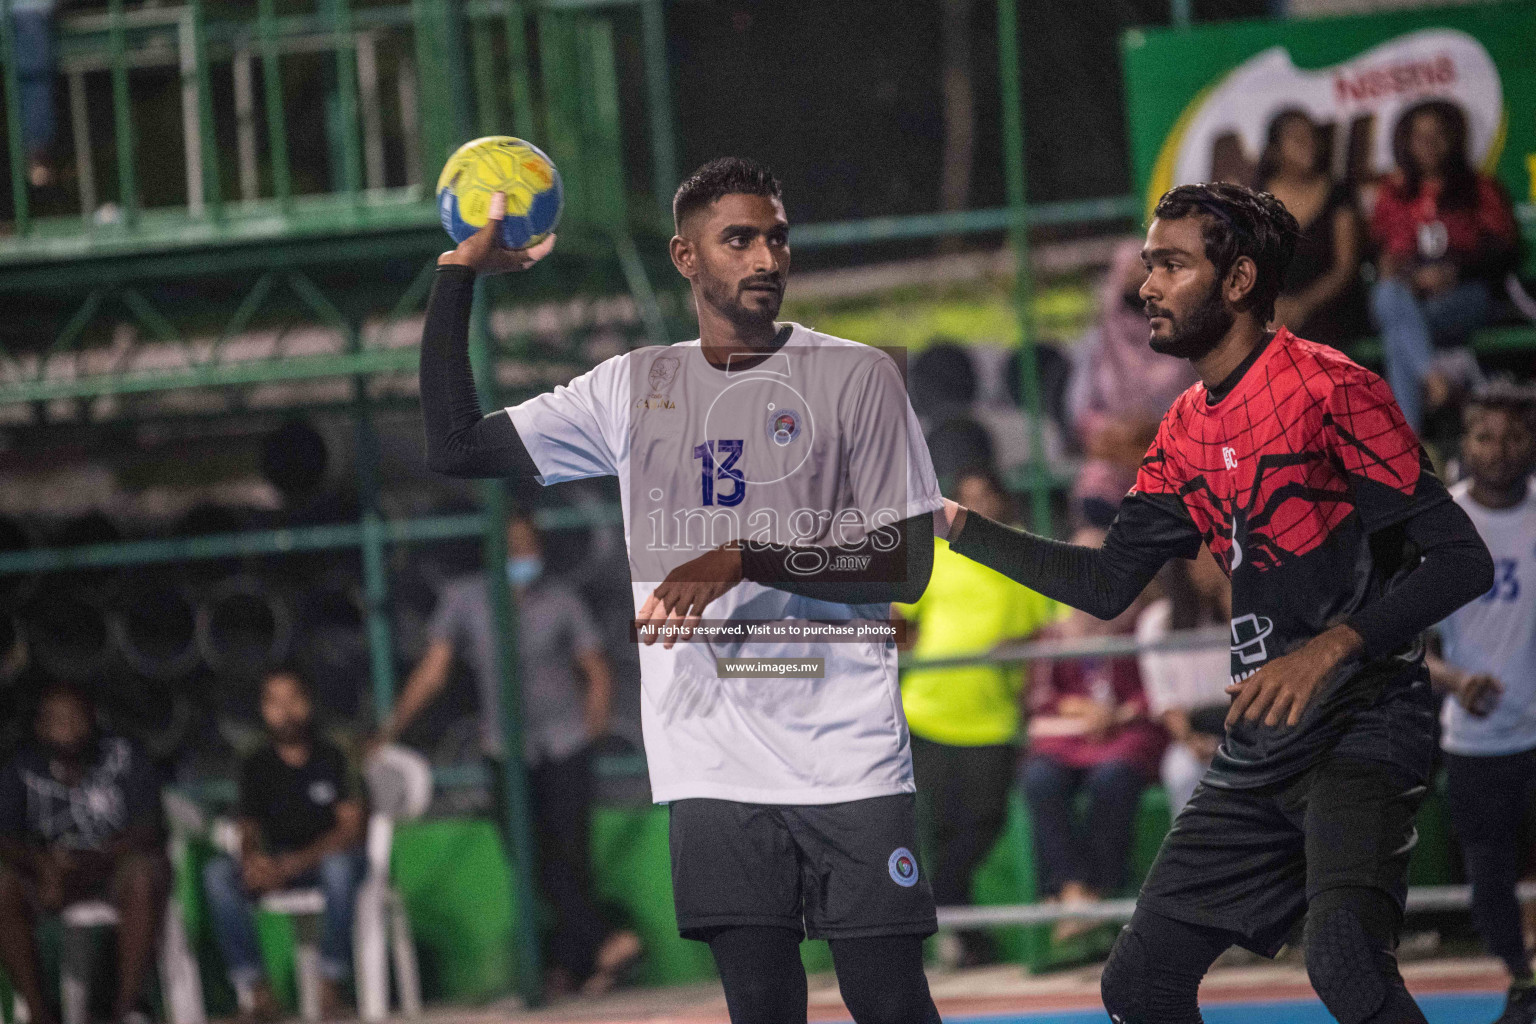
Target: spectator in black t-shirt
(79, 820)
(301, 825)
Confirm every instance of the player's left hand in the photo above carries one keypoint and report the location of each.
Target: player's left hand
(683, 595)
(1280, 691)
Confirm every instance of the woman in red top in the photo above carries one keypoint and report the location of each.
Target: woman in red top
(1090, 730)
(1446, 235)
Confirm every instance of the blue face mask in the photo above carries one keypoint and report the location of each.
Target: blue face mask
(523, 571)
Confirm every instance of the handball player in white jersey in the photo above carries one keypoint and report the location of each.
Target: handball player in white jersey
(777, 495)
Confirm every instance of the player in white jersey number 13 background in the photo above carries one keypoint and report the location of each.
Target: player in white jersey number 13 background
(777, 496)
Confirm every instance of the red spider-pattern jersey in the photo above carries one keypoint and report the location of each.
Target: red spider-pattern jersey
(1294, 480)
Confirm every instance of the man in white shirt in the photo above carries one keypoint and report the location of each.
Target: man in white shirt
(777, 497)
(1489, 667)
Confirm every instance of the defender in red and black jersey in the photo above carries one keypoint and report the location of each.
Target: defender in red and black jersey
(1295, 467)
(1298, 477)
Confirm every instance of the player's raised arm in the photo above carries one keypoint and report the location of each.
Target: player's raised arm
(460, 440)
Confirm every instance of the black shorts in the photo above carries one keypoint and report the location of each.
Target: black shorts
(837, 871)
(1248, 860)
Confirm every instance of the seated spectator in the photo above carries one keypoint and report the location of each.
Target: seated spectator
(80, 820)
(300, 817)
(964, 720)
(1120, 388)
(1320, 296)
(1186, 690)
(1090, 730)
(1489, 732)
(1446, 236)
(943, 382)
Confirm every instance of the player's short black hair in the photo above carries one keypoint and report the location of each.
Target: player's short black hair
(728, 175)
(1506, 396)
(1239, 221)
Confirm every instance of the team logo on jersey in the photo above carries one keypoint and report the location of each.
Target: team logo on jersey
(662, 376)
(783, 426)
(903, 867)
(1248, 635)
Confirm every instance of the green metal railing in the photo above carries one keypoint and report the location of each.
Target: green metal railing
(398, 74)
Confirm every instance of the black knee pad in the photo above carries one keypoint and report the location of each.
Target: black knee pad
(1153, 973)
(1349, 935)
(1123, 985)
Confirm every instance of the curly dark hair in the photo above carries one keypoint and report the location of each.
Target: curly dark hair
(1239, 221)
(728, 175)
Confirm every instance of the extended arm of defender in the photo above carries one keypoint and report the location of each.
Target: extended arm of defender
(460, 441)
(840, 574)
(1100, 581)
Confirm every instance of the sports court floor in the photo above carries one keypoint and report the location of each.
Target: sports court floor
(1452, 990)
(1442, 1008)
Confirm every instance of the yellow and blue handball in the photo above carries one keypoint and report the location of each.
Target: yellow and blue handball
(500, 163)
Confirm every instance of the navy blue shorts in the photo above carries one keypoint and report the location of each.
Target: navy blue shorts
(830, 871)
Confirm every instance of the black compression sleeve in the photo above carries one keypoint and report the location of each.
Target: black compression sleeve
(1100, 581)
(839, 574)
(1455, 569)
(460, 441)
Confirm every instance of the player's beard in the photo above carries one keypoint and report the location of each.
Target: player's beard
(726, 298)
(292, 731)
(1195, 335)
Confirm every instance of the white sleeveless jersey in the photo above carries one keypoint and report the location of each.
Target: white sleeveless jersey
(1496, 633)
(817, 445)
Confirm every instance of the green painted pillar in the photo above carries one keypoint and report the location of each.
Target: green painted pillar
(658, 98)
(15, 147)
(1018, 238)
(493, 506)
(381, 645)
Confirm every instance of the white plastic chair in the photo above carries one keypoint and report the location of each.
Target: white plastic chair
(399, 788)
(180, 983)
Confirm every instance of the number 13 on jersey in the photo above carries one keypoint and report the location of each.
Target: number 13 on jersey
(720, 458)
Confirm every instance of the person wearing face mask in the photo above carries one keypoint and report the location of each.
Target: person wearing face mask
(80, 820)
(566, 689)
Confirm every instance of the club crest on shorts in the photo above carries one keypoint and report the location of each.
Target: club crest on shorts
(783, 426)
(903, 867)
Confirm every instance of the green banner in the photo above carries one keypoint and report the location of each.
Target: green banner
(1200, 101)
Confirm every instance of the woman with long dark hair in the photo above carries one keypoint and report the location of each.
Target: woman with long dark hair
(1446, 235)
(1319, 297)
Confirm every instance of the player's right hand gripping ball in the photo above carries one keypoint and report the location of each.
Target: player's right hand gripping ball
(500, 163)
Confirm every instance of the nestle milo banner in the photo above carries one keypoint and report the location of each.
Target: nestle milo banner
(1201, 101)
